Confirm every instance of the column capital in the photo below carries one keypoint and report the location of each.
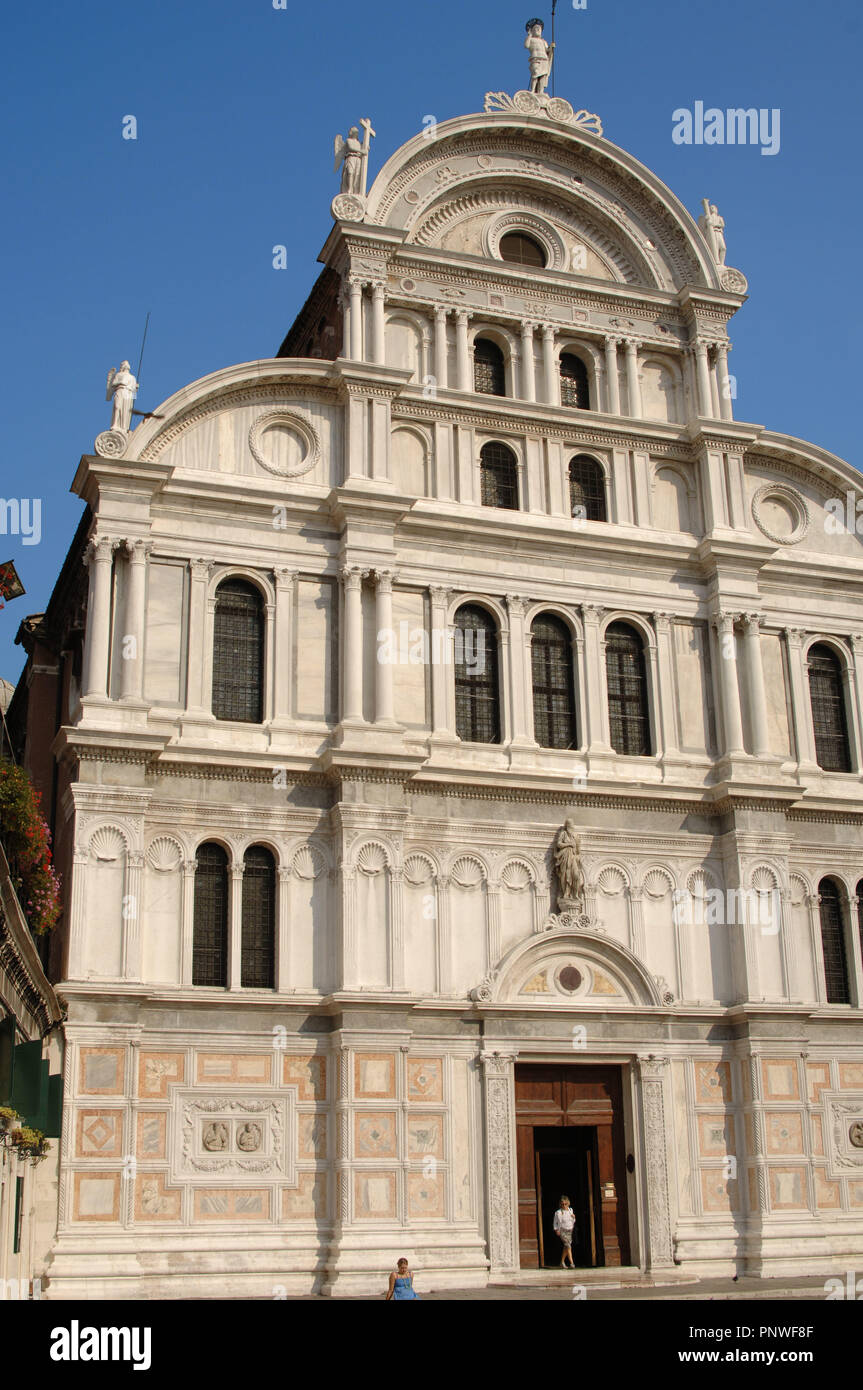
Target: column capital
(284, 576)
(378, 288)
(631, 344)
(857, 643)
(201, 569)
(753, 621)
(100, 548)
(592, 613)
(440, 595)
(189, 867)
(441, 311)
(527, 328)
(795, 637)
(137, 549)
(284, 874)
(663, 621)
(549, 330)
(384, 580)
(237, 870)
(516, 604)
(724, 621)
(352, 576)
(462, 316)
(612, 341)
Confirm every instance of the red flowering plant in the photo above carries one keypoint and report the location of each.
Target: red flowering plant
(27, 842)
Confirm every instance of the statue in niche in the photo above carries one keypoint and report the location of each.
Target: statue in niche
(713, 227)
(216, 1137)
(121, 390)
(353, 155)
(540, 54)
(249, 1138)
(567, 864)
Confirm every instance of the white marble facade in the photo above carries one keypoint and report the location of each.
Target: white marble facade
(418, 944)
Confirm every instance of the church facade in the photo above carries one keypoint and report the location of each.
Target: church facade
(459, 768)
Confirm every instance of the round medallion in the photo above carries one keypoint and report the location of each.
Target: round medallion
(412, 196)
(560, 110)
(111, 444)
(855, 1134)
(528, 103)
(284, 443)
(348, 207)
(780, 514)
(569, 979)
(484, 161)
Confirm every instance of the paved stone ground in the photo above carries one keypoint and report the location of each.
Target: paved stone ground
(704, 1290)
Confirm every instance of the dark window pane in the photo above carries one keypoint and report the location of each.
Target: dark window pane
(210, 927)
(553, 686)
(499, 472)
(238, 653)
(586, 489)
(489, 371)
(828, 710)
(477, 700)
(521, 249)
(258, 963)
(833, 943)
(859, 896)
(574, 383)
(627, 690)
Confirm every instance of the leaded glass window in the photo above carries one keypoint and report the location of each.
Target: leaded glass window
(828, 710)
(586, 489)
(238, 653)
(210, 919)
(477, 696)
(499, 473)
(258, 958)
(521, 249)
(627, 690)
(833, 943)
(489, 370)
(553, 685)
(574, 382)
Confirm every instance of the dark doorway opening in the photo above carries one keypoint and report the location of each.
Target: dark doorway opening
(567, 1162)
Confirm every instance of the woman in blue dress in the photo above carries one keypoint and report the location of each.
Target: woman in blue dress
(401, 1283)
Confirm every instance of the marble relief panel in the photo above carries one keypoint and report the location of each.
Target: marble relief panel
(425, 1079)
(374, 1076)
(715, 1135)
(306, 1201)
(152, 1134)
(96, 1197)
(851, 1076)
(159, 1070)
(718, 1193)
(375, 1134)
(779, 1078)
(235, 1205)
(154, 1200)
(374, 1196)
(99, 1133)
(788, 1189)
(426, 1196)
(712, 1083)
(425, 1136)
(784, 1132)
(827, 1194)
(234, 1069)
(312, 1136)
(101, 1071)
(308, 1074)
(817, 1080)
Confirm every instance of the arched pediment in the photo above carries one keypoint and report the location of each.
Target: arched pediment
(570, 968)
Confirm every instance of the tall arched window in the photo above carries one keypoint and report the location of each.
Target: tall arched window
(828, 710)
(258, 947)
(574, 382)
(833, 943)
(628, 714)
(553, 685)
(238, 652)
(477, 695)
(586, 489)
(859, 896)
(489, 369)
(210, 923)
(499, 472)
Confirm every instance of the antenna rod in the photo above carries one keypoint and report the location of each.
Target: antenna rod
(143, 341)
(553, 8)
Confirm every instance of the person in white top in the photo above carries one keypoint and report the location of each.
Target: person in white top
(564, 1225)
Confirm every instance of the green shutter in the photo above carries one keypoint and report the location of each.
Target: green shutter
(7, 1043)
(27, 1079)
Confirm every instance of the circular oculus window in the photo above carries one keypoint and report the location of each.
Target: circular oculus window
(780, 514)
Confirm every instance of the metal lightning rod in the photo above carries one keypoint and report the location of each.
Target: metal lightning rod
(553, 8)
(143, 341)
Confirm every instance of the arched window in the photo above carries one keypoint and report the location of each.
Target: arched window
(238, 653)
(828, 710)
(210, 923)
(258, 947)
(574, 383)
(499, 472)
(859, 896)
(628, 714)
(477, 697)
(586, 489)
(489, 369)
(521, 249)
(553, 686)
(833, 943)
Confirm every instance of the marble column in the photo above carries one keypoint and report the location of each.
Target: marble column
(857, 649)
(199, 678)
(440, 660)
(352, 577)
(397, 930)
(385, 646)
(76, 897)
(283, 666)
(378, 353)
(132, 647)
(98, 642)
(235, 927)
(440, 346)
(801, 714)
(665, 681)
(656, 1112)
(464, 374)
(633, 386)
(444, 947)
(345, 306)
(132, 913)
(726, 405)
(730, 690)
(501, 1189)
(519, 697)
(356, 293)
(702, 376)
(549, 365)
(187, 922)
(597, 735)
(528, 373)
(755, 683)
(283, 929)
(612, 380)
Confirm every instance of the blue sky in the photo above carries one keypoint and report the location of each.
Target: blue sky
(237, 104)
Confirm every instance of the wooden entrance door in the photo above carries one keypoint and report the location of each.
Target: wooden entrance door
(561, 1097)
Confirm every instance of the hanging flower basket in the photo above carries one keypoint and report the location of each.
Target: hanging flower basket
(30, 1143)
(27, 843)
